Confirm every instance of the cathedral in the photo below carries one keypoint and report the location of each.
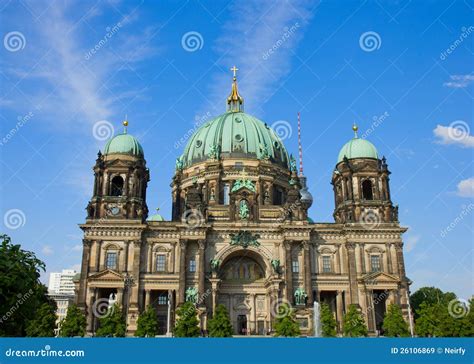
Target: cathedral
(240, 234)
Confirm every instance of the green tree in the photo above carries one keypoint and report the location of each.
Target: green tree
(431, 296)
(393, 324)
(328, 322)
(147, 323)
(187, 324)
(219, 325)
(112, 324)
(74, 324)
(21, 291)
(428, 321)
(44, 323)
(285, 323)
(353, 323)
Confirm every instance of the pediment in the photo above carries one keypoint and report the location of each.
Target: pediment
(107, 275)
(118, 163)
(379, 278)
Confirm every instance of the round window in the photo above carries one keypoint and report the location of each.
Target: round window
(238, 120)
(238, 137)
(198, 143)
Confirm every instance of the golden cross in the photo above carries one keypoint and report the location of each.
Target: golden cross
(234, 69)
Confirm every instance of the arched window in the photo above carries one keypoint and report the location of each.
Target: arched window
(367, 190)
(117, 186)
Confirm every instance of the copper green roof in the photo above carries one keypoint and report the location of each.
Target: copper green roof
(235, 135)
(357, 148)
(155, 217)
(123, 144)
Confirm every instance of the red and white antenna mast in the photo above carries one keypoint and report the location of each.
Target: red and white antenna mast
(300, 149)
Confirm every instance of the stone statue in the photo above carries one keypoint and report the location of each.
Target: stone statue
(179, 163)
(276, 265)
(300, 296)
(264, 152)
(215, 264)
(214, 152)
(112, 300)
(241, 183)
(292, 164)
(243, 210)
(191, 294)
(244, 239)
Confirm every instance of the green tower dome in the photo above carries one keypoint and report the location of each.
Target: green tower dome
(357, 148)
(124, 144)
(235, 134)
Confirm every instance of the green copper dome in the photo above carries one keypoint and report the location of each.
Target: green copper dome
(123, 144)
(155, 217)
(235, 134)
(357, 148)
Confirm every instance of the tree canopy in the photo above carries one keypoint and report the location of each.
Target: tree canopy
(285, 323)
(354, 323)
(44, 323)
(328, 322)
(187, 324)
(147, 323)
(219, 325)
(112, 324)
(74, 324)
(393, 324)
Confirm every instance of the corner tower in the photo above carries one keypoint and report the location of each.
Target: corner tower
(361, 185)
(120, 180)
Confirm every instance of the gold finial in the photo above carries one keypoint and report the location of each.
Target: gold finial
(157, 209)
(355, 128)
(234, 69)
(125, 124)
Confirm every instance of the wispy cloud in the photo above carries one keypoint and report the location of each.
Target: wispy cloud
(457, 133)
(466, 188)
(459, 81)
(411, 242)
(259, 38)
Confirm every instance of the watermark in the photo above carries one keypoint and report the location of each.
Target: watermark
(22, 120)
(287, 34)
(199, 300)
(111, 31)
(14, 219)
(465, 211)
(376, 122)
(46, 352)
(192, 41)
(103, 130)
(22, 298)
(199, 120)
(370, 219)
(465, 32)
(280, 308)
(458, 308)
(370, 41)
(192, 218)
(459, 131)
(283, 129)
(102, 309)
(14, 41)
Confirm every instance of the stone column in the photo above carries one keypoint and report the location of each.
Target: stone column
(288, 272)
(253, 324)
(339, 310)
(182, 271)
(351, 259)
(388, 254)
(147, 298)
(98, 246)
(120, 297)
(149, 259)
(201, 271)
(307, 273)
(90, 309)
(136, 275)
(125, 263)
(370, 310)
(86, 252)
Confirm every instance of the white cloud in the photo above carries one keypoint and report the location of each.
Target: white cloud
(466, 187)
(46, 250)
(258, 38)
(459, 81)
(457, 133)
(411, 241)
(77, 248)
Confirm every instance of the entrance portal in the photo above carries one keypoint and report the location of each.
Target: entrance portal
(242, 324)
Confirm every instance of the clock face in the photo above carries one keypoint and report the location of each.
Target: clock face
(115, 210)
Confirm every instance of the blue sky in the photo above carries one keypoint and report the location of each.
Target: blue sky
(403, 70)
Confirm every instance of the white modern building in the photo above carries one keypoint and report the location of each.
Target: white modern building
(61, 283)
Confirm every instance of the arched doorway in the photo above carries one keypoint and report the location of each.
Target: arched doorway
(243, 291)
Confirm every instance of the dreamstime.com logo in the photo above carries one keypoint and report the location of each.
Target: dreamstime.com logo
(370, 219)
(47, 352)
(14, 41)
(458, 131)
(280, 308)
(192, 41)
(283, 129)
(103, 130)
(458, 308)
(101, 308)
(370, 41)
(14, 219)
(192, 219)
